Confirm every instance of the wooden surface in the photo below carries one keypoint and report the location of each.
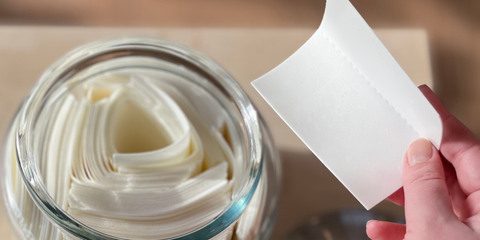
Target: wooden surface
(308, 188)
(453, 28)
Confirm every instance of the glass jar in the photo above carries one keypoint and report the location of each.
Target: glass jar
(260, 167)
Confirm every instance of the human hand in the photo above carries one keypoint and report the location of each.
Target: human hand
(441, 189)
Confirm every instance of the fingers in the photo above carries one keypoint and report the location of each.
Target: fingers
(378, 230)
(459, 146)
(426, 195)
(397, 197)
(457, 196)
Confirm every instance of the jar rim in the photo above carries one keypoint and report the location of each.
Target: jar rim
(59, 71)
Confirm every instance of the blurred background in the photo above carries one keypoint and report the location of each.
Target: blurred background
(452, 27)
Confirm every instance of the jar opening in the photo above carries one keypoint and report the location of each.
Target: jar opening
(145, 57)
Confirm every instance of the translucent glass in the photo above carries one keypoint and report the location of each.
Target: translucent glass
(259, 164)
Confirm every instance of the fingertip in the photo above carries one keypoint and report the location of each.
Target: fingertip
(379, 230)
(372, 229)
(398, 197)
(424, 87)
(426, 90)
(420, 150)
(436, 103)
(425, 188)
(370, 223)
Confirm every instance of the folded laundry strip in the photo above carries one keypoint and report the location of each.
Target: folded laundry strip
(137, 154)
(351, 103)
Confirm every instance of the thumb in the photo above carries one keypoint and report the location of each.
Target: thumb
(426, 195)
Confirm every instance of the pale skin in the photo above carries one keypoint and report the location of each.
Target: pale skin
(441, 188)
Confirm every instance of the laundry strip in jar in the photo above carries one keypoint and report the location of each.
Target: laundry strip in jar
(98, 168)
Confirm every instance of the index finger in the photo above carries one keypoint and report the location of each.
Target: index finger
(459, 146)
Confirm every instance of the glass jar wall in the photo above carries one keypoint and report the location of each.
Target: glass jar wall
(139, 138)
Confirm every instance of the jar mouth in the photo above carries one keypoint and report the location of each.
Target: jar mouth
(60, 75)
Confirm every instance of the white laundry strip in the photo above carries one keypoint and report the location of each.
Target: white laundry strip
(351, 103)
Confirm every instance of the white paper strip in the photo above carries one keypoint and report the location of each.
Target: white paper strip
(351, 103)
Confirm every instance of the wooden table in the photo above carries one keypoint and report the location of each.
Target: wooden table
(308, 187)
